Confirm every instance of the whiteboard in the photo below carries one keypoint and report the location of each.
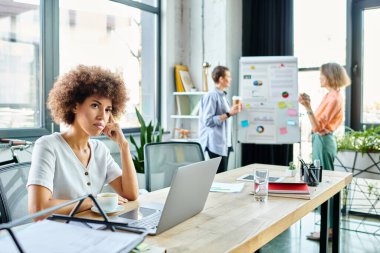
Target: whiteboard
(269, 89)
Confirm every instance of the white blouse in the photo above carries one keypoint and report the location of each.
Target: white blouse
(56, 167)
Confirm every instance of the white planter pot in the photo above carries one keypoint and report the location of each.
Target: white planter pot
(360, 165)
(366, 173)
(291, 173)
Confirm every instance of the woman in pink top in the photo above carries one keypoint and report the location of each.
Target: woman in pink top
(326, 119)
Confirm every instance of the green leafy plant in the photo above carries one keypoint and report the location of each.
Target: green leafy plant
(365, 141)
(150, 133)
(292, 166)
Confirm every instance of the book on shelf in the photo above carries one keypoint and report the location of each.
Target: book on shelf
(186, 80)
(178, 80)
(288, 188)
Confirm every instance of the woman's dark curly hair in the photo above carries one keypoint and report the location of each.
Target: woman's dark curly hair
(80, 83)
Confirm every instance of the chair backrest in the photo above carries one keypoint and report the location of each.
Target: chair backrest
(13, 193)
(161, 161)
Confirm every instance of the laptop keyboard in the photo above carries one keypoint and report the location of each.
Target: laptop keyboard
(150, 221)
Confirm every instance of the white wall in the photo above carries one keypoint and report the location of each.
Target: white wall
(195, 31)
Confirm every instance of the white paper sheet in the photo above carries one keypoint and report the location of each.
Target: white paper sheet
(226, 187)
(56, 237)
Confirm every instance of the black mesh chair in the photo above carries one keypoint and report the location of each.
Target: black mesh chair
(13, 193)
(161, 161)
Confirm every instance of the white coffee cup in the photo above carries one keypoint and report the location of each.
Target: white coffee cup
(108, 201)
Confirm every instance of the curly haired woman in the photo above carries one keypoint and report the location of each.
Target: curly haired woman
(68, 165)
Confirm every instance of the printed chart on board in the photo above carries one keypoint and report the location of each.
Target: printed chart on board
(269, 89)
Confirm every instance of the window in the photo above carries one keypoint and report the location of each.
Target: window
(20, 47)
(366, 52)
(319, 37)
(371, 54)
(40, 40)
(115, 36)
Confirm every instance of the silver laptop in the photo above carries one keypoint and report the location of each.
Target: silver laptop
(187, 197)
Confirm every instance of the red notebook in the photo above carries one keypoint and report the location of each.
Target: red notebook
(298, 188)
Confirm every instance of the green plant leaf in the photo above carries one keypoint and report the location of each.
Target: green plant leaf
(365, 141)
(159, 135)
(133, 142)
(147, 134)
(142, 127)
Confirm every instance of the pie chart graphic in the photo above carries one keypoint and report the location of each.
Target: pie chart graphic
(260, 129)
(285, 94)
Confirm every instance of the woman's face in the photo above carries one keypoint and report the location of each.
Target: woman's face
(323, 80)
(92, 115)
(225, 81)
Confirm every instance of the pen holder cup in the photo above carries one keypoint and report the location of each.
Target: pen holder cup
(311, 175)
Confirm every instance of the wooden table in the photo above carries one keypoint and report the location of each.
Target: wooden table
(235, 222)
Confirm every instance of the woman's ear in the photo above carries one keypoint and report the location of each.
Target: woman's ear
(75, 109)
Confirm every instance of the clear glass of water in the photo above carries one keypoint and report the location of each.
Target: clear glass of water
(260, 184)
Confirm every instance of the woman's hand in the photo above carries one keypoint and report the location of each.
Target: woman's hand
(122, 200)
(113, 130)
(304, 100)
(235, 109)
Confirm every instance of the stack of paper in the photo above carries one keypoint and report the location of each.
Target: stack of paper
(289, 190)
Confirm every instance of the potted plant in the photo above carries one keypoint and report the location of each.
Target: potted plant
(359, 153)
(150, 133)
(291, 172)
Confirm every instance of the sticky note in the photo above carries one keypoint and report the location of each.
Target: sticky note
(281, 105)
(283, 130)
(247, 106)
(291, 123)
(292, 112)
(244, 123)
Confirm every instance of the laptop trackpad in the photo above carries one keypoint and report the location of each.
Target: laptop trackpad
(138, 213)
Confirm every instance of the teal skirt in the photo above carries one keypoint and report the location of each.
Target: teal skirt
(324, 149)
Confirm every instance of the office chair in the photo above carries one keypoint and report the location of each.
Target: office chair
(13, 193)
(161, 161)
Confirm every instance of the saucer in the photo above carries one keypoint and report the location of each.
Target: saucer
(117, 209)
